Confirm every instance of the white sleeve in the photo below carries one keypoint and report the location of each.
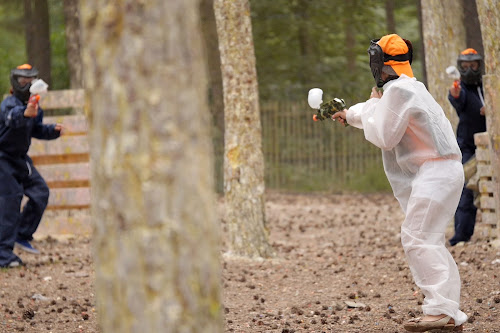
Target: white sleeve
(385, 120)
(353, 115)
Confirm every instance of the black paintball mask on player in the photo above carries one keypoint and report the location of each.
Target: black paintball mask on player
(378, 58)
(469, 75)
(22, 91)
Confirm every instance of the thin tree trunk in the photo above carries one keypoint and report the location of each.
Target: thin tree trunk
(153, 210)
(350, 37)
(72, 30)
(489, 13)
(307, 50)
(29, 31)
(421, 45)
(472, 26)
(389, 17)
(215, 94)
(243, 157)
(36, 13)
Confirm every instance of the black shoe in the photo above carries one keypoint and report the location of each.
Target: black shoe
(454, 240)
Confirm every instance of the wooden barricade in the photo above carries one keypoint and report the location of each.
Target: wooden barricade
(485, 180)
(64, 164)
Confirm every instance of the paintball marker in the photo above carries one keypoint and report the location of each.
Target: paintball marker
(37, 88)
(327, 109)
(453, 74)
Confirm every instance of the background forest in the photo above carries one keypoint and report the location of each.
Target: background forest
(299, 44)
(158, 229)
(14, 28)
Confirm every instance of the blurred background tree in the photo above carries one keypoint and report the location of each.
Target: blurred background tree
(299, 44)
(16, 26)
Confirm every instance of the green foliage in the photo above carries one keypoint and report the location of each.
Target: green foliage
(302, 155)
(60, 72)
(372, 180)
(12, 50)
(301, 44)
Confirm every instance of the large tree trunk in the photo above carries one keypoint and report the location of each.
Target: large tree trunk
(153, 210)
(36, 19)
(243, 157)
(444, 38)
(72, 21)
(489, 16)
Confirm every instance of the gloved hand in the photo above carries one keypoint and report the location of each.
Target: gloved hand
(455, 90)
(32, 108)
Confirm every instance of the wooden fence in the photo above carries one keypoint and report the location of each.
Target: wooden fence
(303, 155)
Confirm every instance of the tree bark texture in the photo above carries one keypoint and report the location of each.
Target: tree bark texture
(36, 19)
(243, 158)
(489, 16)
(153, 210)
(73, 45)
(444, 39)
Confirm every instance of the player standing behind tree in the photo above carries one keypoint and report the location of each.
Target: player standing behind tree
(20, 120)
(467, 99)
(422, 162)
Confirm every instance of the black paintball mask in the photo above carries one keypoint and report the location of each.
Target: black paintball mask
(379, 57)
(22, 92)
(470, 76)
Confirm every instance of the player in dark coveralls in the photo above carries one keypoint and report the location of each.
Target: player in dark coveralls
(467, 99)
(20, 120)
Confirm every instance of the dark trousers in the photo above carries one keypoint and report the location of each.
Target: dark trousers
(19, 177)
(465, 216)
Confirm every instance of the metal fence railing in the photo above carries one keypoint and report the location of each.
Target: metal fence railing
(303, 155)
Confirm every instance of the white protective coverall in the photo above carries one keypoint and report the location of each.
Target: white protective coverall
(422, 161)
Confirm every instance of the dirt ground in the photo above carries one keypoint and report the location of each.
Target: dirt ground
(338, 268)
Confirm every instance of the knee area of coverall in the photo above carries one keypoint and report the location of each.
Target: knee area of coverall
(425, 222)
(9, 208)
(38, 198)
(43, 200)
(435, 193)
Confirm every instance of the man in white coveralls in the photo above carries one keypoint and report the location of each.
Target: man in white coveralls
(422, 161)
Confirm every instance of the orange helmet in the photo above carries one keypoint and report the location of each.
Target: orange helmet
(390, 50)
